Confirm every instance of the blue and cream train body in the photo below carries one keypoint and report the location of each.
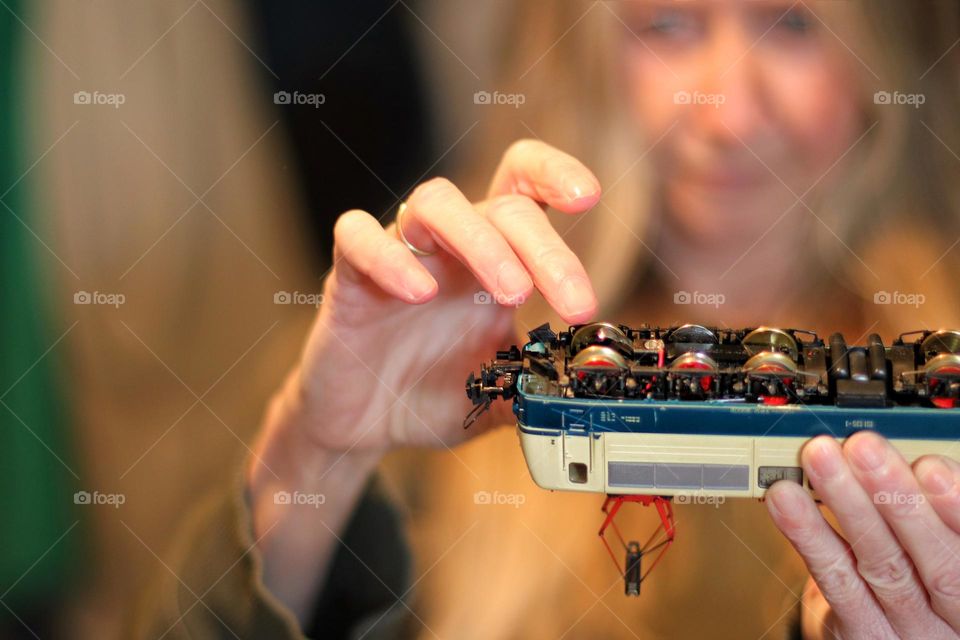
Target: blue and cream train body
(641, 415)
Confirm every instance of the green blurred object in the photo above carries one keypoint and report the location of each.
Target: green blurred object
(39, 535)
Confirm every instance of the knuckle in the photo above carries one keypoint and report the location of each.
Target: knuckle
(479, 231)
(839, 584)
(555, 259)
(434, 191)
(348, 224)
(945, 586)
(890, 576)
(522, 147)
(391, 253)
(512, 207)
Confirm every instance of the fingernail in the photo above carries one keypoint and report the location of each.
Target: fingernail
(786, 502)
(577, 187)
(513, 280)
(824, 458)
(419, 286)
(577, 295)
(935, 477)
(870, 453)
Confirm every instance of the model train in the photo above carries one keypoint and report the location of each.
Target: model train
(699, 410)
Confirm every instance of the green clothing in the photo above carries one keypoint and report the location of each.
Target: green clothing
(36, 495)
(214, 557)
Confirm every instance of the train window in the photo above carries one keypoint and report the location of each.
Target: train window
(578, 472)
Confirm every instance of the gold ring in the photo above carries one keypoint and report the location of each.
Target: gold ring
(417, 252)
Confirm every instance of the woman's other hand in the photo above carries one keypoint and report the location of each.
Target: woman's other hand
(893, 570)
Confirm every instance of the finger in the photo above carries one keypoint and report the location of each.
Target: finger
(556, 270)
(829, 559)
(363, 251)
(439, 209)
(931, 544)
(940, 478)
(880, 558)
(545, 174)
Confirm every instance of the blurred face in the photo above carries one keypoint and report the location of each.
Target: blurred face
(750, 99)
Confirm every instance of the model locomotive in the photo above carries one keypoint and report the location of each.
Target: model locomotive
(650, 414)
(603, 407)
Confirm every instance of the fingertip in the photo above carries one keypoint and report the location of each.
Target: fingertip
(815, 445)
(577, 301)
(516, 299)
(580, 317)
(821, 457)
(420, 287)
(786, 501)
(866, 450)
(934, 475)
(578, 202)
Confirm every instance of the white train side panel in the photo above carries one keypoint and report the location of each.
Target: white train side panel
(677, 464)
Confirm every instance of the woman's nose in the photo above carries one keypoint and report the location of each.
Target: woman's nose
(734, 107)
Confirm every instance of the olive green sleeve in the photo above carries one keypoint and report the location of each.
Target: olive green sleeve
(210, 582)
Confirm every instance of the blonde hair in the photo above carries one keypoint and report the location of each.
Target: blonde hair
(119, 213)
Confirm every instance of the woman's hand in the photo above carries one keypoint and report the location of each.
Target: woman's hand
(395, 339)
(397, 334)
(895, 573)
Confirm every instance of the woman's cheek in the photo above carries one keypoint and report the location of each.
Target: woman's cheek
(818, 110)
(651, 89)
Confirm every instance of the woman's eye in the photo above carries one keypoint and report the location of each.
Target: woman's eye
(795, 21)
(670, 24)
(666, 22)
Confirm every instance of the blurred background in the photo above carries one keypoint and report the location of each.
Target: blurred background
(169, 178)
